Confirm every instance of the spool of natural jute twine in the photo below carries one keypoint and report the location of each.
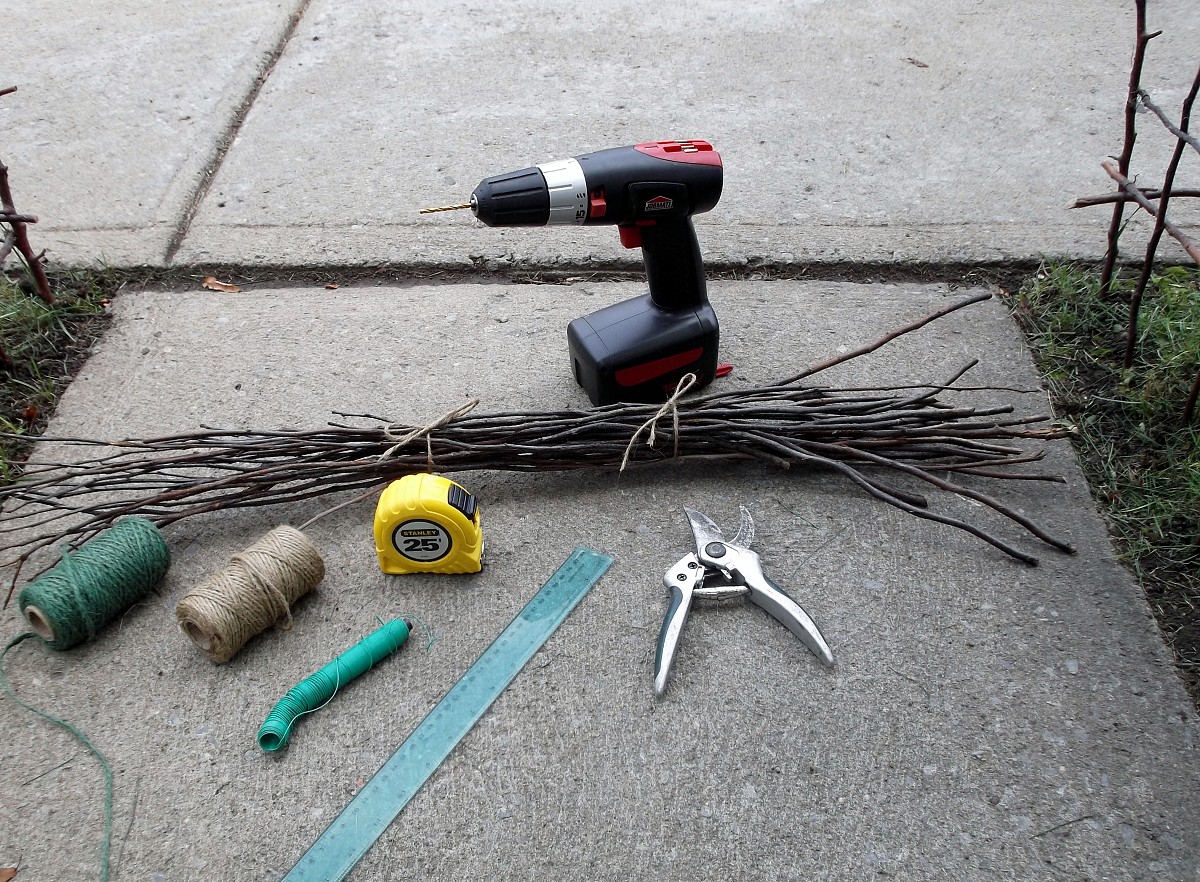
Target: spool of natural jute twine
(255, 591)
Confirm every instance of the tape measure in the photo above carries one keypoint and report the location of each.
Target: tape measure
(428, 524)
(372, 810)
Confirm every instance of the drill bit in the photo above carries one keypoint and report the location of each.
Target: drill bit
(444, 208)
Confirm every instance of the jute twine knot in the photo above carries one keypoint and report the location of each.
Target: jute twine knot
(671, 405)
(255, 591)
(390, 433)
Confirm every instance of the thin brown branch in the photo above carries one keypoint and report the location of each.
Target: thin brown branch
(1188, 245)
(21, 240)
(1149, 192)
(1160, 223)
(1131, 101)
(1189, 409)
(886, 338)
(1181, 134)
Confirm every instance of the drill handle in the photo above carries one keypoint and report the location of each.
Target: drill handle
(674, 267)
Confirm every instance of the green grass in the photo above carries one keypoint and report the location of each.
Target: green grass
(46, 345)
(1141, 458)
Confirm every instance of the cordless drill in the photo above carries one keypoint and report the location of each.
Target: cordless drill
(639, 349)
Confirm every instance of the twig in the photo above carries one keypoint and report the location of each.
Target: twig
(1135, 78)
(886, 338)
(1060, 826)
(1188, 245)
(49, 770)
(1160, 223)
(1181, 134)
(1149, 192)
(21, 240)
(1189, 409)
(137, 787)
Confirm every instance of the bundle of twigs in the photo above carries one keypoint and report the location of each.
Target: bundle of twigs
(858, 432)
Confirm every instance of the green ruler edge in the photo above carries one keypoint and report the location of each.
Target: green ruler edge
(362, 822)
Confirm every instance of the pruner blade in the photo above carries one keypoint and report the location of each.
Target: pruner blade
(704, 530)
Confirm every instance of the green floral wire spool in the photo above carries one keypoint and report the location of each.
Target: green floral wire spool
(317, 690)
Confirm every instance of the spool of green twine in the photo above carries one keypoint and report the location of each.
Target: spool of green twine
(316, 690)
(92, 586)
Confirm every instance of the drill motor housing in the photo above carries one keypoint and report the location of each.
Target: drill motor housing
(639, 349)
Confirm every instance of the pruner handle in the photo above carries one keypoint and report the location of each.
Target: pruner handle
(681, 581)
(766, 594)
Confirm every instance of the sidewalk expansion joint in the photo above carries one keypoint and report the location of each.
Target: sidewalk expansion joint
(1006, 274)
(225, 141)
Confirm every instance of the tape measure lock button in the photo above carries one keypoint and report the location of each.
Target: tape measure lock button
(428, 524)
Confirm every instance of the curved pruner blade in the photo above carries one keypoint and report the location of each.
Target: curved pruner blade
(744, 537)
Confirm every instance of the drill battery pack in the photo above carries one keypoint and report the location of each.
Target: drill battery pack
(638, 351)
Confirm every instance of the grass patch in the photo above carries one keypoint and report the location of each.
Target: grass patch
(1141, 459)
(47, 345)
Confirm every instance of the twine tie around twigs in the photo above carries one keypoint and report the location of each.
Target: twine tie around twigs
(426, 430)
(687, 381)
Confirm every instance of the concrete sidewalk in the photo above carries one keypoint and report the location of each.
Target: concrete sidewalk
(978, 704)
(851, 132)
(985, 719)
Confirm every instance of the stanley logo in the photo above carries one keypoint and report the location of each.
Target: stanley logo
(418, 532)
(660, 203)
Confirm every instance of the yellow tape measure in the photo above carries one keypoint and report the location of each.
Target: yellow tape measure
(428, 524)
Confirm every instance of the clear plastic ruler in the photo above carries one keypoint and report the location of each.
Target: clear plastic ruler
(372, 810)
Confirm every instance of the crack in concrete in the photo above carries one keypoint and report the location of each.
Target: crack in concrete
(225, 141)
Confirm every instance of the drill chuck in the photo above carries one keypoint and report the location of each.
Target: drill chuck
(515, 199)
(550, 193)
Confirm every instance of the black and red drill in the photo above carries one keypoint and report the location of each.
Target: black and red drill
(639, 349)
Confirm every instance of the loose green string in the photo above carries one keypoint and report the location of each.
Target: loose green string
(84, 592)
(317, 690)
(82, 739)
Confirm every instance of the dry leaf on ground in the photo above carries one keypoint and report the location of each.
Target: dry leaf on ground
(214, 284)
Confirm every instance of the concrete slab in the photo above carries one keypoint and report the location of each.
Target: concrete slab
(118, 113)
(985, 720)
(851, 131)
